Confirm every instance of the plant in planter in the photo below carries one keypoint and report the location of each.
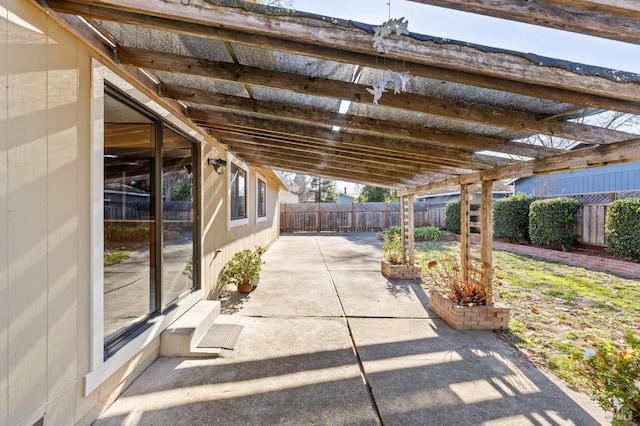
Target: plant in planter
(392, 265)
(446, 276)
(462, 303)
(243, 269)
(392, 248)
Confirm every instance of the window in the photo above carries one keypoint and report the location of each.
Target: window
(261, 200)
(149, 220)
(238, 196)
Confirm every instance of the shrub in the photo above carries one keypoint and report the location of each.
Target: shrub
(392, 230)
(126, 233)
(392, 248)
(511, 217)
(622, 227)
(446, 276)
(452, 216)
(419, 233)
(613, 373)
(553, 222)
(427, 233)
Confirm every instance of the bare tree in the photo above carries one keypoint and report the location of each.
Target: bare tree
(604, 120)
(285, 4)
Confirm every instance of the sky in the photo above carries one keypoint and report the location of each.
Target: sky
(483, 30)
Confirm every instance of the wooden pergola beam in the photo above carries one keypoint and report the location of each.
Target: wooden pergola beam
(353, 123)
(182, 25)
(450, 156)
(612, 19)
(325, 153)
(493, 116)
(394, 159)
(617, 153)
(310, 168)
(337, 165)
(247, 25)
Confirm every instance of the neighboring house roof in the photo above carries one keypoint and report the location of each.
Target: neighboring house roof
(346, 198)
(288, 197)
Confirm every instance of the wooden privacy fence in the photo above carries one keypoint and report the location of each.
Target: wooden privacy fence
(591, 220)
(318, 217)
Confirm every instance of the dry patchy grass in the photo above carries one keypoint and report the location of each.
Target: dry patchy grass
(557, 310)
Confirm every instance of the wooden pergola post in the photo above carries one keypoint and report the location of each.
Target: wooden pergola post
(465, 247)
(406, 224)
(486, 237)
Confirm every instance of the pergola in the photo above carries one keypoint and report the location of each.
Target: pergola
(345, 100)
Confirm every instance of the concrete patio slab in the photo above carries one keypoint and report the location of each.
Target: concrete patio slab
(294, 294)
(369, 294)
(423, 371)
(282, 371)
(333, 346)
(351, 252)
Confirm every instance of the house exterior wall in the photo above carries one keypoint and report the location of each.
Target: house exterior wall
(46, 213)
(621, 177)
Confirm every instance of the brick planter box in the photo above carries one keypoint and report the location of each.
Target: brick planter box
(401, 272)
(478, 317)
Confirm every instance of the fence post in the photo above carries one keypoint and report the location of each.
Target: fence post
(386, 214)
(353, 217)
(319, 217)
(284, 218)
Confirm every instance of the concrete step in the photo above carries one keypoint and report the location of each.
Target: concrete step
(181, 338)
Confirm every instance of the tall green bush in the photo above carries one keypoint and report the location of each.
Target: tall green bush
(511, 217)
(123, 234)
(622, 227)
(452, 216)
(553, 222)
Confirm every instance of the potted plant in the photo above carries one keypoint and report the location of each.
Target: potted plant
(243, 269)
(461, 303)
(392, 264)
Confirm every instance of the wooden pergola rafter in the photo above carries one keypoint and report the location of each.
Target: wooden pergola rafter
(464, 124)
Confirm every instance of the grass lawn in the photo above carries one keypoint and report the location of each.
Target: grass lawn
(114, 256)
(557, 310)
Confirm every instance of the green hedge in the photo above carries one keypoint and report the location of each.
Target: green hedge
(452, 215)
(128, 234)
(511, 217)
(623, 227)
(553, 222)
(419, 233)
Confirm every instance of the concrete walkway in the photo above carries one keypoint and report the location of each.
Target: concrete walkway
(329, 341)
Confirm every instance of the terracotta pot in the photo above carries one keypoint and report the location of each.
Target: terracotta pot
(245, 287)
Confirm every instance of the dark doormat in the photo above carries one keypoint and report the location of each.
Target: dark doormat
(221, 336)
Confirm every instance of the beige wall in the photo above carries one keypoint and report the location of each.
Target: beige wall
(43, 194)
(216, 234)
(45, 226)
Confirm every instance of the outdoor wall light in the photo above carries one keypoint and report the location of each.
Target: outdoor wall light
(218, 164)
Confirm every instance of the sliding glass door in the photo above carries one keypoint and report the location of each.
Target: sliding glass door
(149, 219)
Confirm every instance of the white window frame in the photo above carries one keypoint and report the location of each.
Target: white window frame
(232, 159)
(260, 178)
(100, 369)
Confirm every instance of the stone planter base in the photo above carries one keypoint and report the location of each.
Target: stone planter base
(401, 272)
(478, 317)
